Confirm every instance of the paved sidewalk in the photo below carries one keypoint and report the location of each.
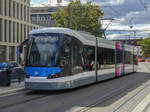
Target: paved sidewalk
(14, 87)
(137, 100)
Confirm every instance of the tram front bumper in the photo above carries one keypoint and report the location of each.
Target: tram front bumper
(46, 84)
(68, 82)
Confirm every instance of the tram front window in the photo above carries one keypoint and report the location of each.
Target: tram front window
(43, 50)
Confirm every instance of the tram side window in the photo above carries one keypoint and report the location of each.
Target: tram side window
(128, 57)
(106, 58)
(89, 58)
(64, 56)
(119, 56)
(77, 56)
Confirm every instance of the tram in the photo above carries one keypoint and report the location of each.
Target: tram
(61, 58)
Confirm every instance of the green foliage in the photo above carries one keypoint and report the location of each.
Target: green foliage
(145, 45)
(83, 17)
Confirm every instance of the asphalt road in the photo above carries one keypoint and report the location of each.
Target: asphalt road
(72, 100)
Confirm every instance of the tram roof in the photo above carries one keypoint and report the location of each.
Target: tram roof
(84, 37)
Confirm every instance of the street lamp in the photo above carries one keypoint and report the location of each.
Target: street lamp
(131, 26)
(134, 31)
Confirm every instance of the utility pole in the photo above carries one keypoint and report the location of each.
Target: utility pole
(96, 49)
(129, 40)
(131, 29)
(69, 14)
(134, 34)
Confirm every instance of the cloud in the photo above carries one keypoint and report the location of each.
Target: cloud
(128, 12)
(40, 3)
(35, 2)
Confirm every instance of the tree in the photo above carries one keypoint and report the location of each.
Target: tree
(78, 16)
(145, 45)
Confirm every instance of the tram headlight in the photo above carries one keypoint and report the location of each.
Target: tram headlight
(53, 76)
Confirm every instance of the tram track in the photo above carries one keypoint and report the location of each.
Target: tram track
(110, 96)
(114, 94)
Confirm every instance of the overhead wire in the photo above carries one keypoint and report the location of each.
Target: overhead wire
(116, 12)
(142, 4)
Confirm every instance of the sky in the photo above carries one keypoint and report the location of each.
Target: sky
(125, 13)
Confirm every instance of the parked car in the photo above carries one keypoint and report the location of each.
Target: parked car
(5, 78)
(12, 71)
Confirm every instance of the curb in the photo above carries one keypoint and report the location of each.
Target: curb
(11, 91)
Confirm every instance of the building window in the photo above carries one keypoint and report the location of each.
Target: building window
(21, 12)
(17, 10)
(18, 32)
(1, 30)
(10, 31)
(10, 8)
(5, 9)
(11, 53)
(28, 14)
(21, 32)
(14, 7)
(1, 7)
(14, 32)
(5, 37)
(2, 53)
(25, 33)
(25, 13)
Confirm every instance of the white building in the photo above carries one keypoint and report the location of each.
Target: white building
(42, 16)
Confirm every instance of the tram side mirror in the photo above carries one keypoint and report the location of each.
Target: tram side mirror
(20, 50)
(20, 55)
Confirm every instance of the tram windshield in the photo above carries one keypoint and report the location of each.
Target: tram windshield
(44, 50)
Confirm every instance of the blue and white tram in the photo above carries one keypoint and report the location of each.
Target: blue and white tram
(61, 58)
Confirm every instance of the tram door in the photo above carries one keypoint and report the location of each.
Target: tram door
(135, 58)
(119, 67)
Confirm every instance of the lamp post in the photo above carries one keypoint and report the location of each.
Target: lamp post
(131, 26)
(133, 45)
(134, 35)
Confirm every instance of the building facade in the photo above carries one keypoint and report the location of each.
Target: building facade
(42, 16)
(15, 24)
